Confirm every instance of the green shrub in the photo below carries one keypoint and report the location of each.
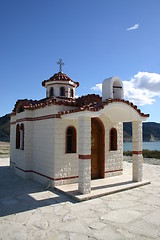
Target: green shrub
(146, 153)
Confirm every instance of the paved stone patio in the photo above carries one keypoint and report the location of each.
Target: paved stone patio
(29, 211)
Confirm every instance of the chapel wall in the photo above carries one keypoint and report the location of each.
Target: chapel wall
(113, 159)
(28, 146)
(18, 156)
(66, 164)
(12, 142)
(43, 150)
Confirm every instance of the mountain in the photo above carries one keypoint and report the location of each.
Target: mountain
(151, 130)
(5, 128)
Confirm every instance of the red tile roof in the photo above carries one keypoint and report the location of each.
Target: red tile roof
(59, 77)
(90, 102)
(96, 106)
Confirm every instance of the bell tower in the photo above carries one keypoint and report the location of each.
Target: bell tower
(112, 88)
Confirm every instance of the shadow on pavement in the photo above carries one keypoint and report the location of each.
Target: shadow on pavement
(19, 195)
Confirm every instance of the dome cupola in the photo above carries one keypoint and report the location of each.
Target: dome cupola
(60, 85)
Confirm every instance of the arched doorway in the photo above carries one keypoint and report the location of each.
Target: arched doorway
(97, 149)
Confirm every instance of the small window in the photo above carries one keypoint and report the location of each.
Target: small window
(71, 92)
(17, 137)
(22, 137)
(51, 92)
(71, 140)
(113, 139)
(62, 91)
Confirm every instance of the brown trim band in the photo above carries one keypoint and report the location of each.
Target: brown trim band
(54, 179)
(29, 119)
(12, 123)
(84, 157)
(111, 171)
(137, 152)
(32, 171)
(65, 178)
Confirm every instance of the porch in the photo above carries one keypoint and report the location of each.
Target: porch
(104, 186)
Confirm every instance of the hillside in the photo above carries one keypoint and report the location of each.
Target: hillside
(151, 130)
(5, 128)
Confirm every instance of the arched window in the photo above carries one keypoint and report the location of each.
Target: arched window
(71, 140)
(62, 91)
(71, 92)
(51, 92)
(17, 137)
(113, 139)
(22, 137)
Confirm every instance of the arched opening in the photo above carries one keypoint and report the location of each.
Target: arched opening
(51, 92)
(72, 93)
(62, 91)
(17, 136)
(113, 139)
(97, 149)
(22, 137)
(117, 90)
(71, 140)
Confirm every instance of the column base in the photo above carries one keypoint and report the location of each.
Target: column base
(137, 167)
(84, 179)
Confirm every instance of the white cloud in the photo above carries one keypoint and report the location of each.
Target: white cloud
(136, 95)
(97, 87)
(141, 89)
(136, 26)
(146, 80)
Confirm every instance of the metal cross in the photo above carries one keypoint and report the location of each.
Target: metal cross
(60, 63)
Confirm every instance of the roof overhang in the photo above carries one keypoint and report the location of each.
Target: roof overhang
(116, 112)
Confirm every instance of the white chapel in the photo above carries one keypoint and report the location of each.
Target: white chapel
(61, 139)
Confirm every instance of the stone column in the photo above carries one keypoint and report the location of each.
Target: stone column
(137, 151)
(84, 151)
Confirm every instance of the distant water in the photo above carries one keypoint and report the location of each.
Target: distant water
(127, 146)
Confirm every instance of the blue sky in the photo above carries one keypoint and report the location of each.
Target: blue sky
(95, 38)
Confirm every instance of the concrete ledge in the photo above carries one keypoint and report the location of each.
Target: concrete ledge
(101, 187)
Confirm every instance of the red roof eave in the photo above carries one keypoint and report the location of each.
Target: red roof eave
(96, 108)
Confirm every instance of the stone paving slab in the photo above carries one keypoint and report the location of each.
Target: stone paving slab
(28, 211)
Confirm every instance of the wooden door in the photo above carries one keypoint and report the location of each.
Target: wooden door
(97, 150)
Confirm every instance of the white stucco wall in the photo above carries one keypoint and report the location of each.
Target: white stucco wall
(43, 149)
(12, 143)
(44, 146)
(19, 158)
(66, 164)
(113, 159)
